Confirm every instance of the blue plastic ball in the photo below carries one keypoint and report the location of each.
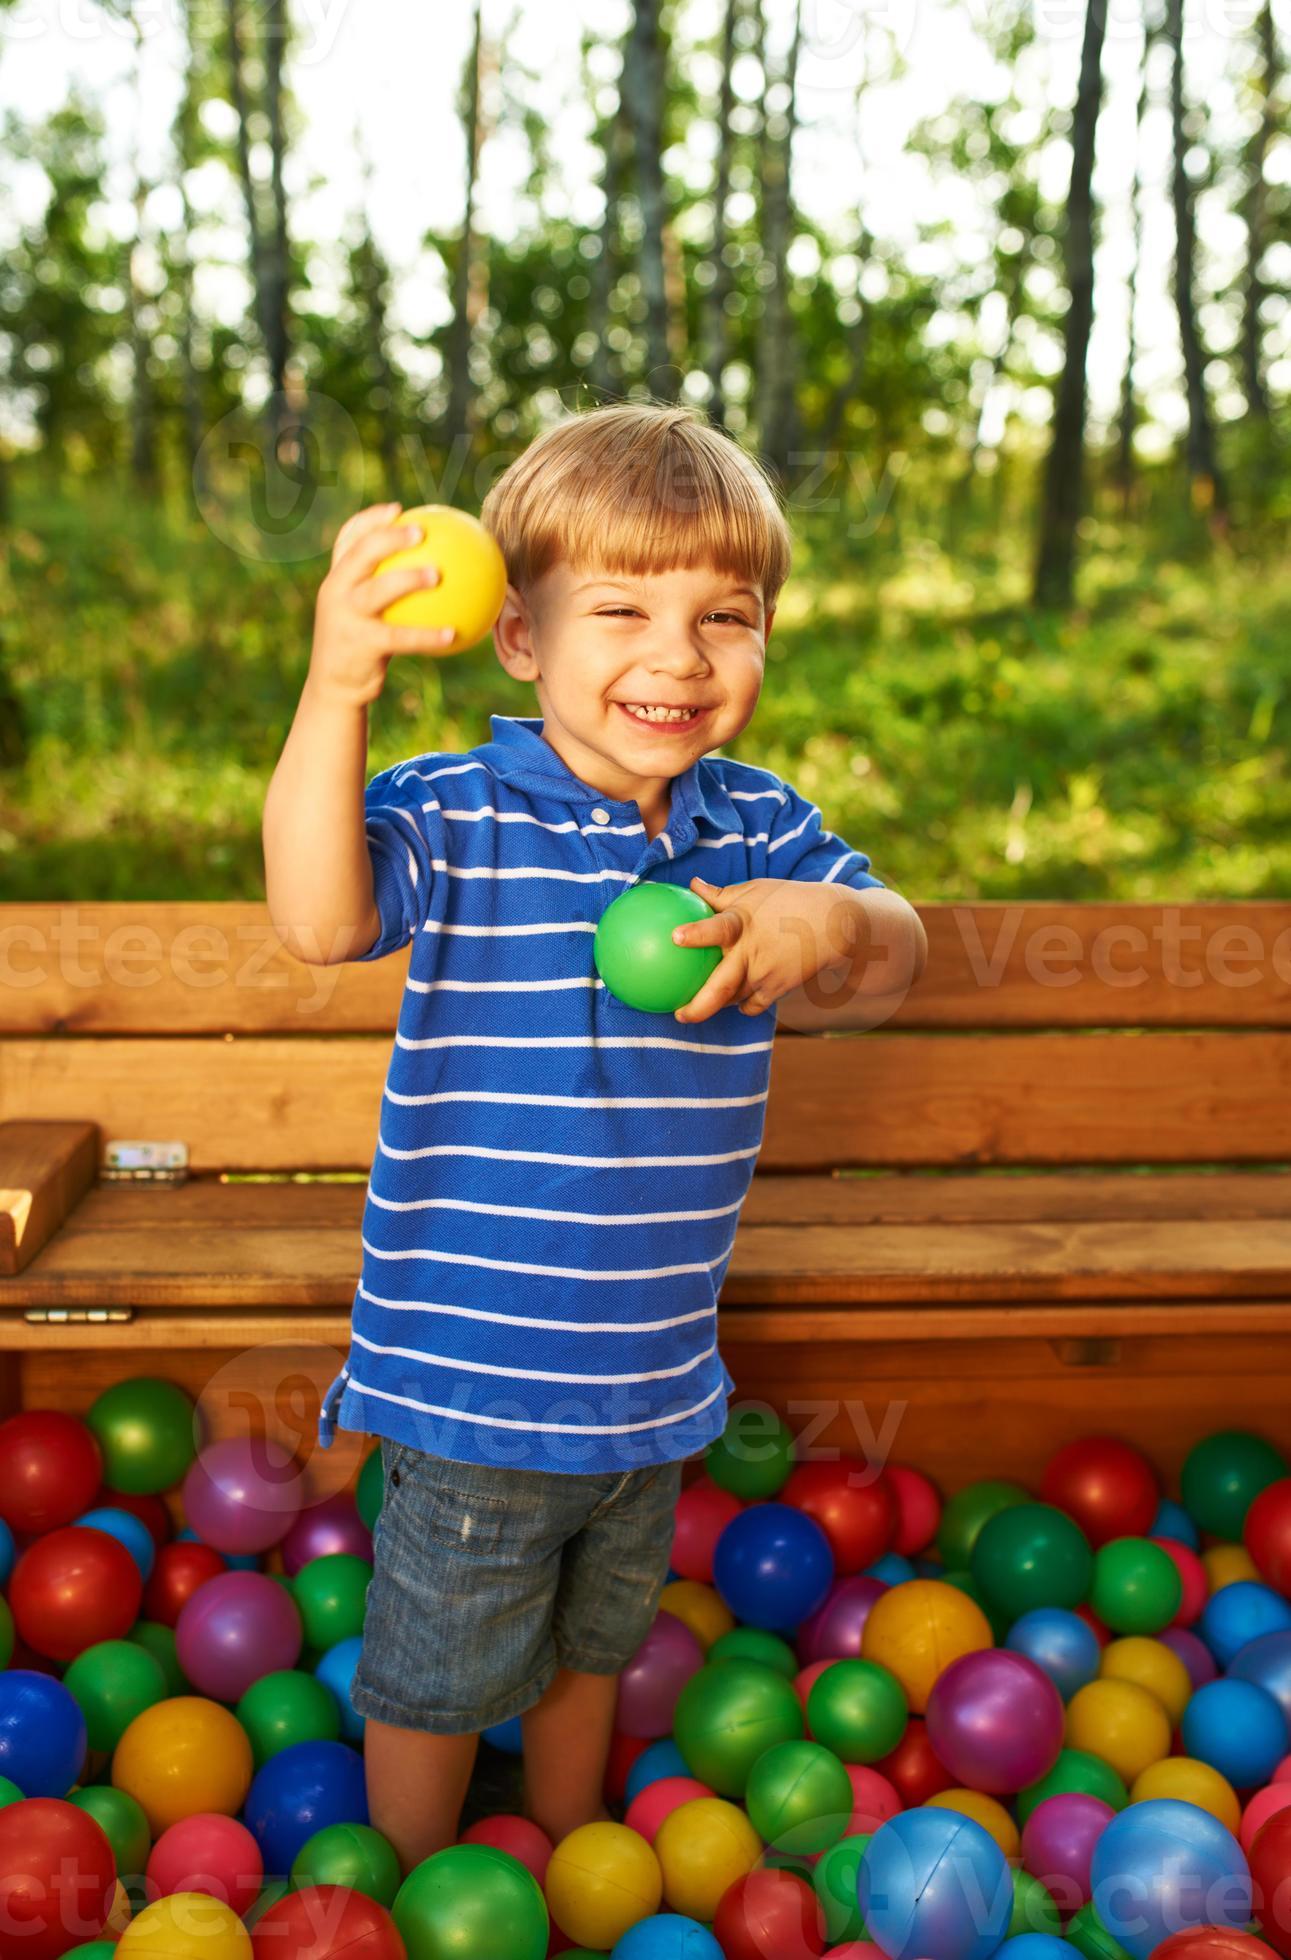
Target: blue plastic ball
(302, 1789)
(773, 1566)
(131, 1531)
(336, 1671)
(507, 1736)
(652, 1765)
(1172, 1521)
(42, 1733)
(667, 1936)
(1267, 1662)
(8, 1553)
(931, 1882)
(1061, 1643)
(1238, 1728)
(1240, 1613)
(1035, 1946)
(1163, 1866)
(894, 1569)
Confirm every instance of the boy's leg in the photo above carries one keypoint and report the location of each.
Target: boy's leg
(416, 1786)
(566, 1744)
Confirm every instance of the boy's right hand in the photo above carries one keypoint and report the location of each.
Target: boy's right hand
(353, 645)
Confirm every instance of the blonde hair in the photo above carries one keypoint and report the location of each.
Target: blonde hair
(639, 487)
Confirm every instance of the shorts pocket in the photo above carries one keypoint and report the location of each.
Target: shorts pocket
(467, 1521)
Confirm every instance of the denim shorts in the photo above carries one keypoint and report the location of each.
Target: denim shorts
(486, 1580)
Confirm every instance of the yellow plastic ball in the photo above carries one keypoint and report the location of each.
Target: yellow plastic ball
(703, 1847)
(704, 1611)
(1153, 1666)
(601, 1880)
(183, 1756)
(185, 1926)
(917, 1629)
(1121, 1722)
(1188, 1781)
(472, 575)
(1226, 1564)
(984, 1810)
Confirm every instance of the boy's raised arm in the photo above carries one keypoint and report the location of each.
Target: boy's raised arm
(318, 871)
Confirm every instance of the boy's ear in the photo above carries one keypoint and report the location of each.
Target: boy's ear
(513, 637)
(770, 617)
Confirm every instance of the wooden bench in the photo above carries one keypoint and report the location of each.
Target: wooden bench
(1051, 1196)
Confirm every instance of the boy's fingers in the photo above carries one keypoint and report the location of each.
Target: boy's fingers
(418, 639)
(360, 521)
(720, 988)
(366, 550)
(373, 595)
(723, 929)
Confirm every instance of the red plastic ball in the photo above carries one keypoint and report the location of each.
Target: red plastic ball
(207, 1853)
(1270, 1861)
(770, 1913)
(517, 1836)
(1192, 1578)
(918, 1503)
(624, 1750)
(323, 1921)
(57, 1878)
(853, 1507)
(1212, 1943)
(1107, 1486)
(914, 1768)
(181, 1567)
(50, 1468)
(704, 1510)
(72, 1588)
(1267, 1534)
(648, 1809)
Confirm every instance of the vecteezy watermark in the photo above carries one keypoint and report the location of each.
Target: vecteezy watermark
(276, 482)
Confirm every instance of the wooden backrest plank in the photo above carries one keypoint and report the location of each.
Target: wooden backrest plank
(273, 1104)
(177, 968)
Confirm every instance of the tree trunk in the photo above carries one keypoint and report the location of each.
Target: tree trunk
(457, 407)
(642, 89)
(237, 91)
(1208, 492)
(278, 252)
(1127, 421)
(1255, 291)
(372, 285)
(144, 471)
(777, 351)
(716, 335)
(605, 264)
(1064, 470)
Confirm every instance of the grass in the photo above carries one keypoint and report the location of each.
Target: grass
(974, 748)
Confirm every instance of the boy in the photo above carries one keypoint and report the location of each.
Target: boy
(558, 1176)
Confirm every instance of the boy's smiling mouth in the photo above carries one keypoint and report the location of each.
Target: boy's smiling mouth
(646, 716)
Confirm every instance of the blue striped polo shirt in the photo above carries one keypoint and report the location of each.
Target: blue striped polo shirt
(558, 1177)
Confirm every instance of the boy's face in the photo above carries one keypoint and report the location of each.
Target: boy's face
(595, 643)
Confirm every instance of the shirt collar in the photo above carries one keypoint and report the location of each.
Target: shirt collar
(519, 754)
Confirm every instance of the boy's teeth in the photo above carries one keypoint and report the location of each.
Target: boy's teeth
(659, 714)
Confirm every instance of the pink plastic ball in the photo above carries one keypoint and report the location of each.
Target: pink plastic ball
(805, 1680)
(652, 1680)
(918, 1509)
(703, 1512)
(1193, 1652)
(833, 1632)
(1192, 1574)
(1282, 1774)
(996, 1721)
(518, 1836)
(874, 1799)
(207, 1853)
(242, 1494)
(321, 1529)
(1274, 1796)
(236, 1627)
(1058, 1842)
(647, 1811)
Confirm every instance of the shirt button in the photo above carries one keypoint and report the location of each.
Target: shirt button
(600, 816)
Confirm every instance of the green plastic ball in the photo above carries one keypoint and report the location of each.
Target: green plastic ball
(91, 1950)
(634, 952)
(9, 1792)
(159, 1641)
(148, 1432)
(1031, 1555)
(1136, 1588)
(6, 1633)
(799, 1797)
(370, 1490)
(857, 1709)
(112, 1682)
(1222, 1477)
(1035, 1910)
(1089, 1936)
(753, 1456)
(834, 1877)
(331, 1593)
(965, 1582)
(284, 1707)
(269, 1894)
(754, 1644)
(728, 1715)
(965, 1514)
(472, 1902)
(350, 1854)
(1076, 1772)
(122, 1821)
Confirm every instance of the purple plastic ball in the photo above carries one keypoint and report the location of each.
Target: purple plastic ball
(234, 1628)
(321, 1529)
(1193, 1652)
(1058, 1842)
(242, 1494)
(996, 1721)
(833, 1633)
(652, 1680)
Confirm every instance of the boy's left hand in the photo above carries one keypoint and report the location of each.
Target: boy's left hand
(777, 933)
